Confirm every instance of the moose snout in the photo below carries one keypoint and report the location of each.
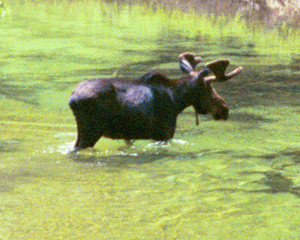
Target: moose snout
(221, 113)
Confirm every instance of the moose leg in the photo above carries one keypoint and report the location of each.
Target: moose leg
(89, 130)
(87, 136)
(129, 142)
(165, 128)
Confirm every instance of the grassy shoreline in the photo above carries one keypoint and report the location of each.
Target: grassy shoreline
(235, 29)
(270, 13)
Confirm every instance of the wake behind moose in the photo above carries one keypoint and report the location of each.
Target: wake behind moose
(146, 107)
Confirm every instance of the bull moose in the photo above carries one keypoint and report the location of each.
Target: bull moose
(146, 107)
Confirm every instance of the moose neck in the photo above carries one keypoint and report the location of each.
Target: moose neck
(184, 92)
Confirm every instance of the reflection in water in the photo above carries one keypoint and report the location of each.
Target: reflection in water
(237, 179)
(18, 93)
(250, 117)
(9, 146)
(132, 156)
(278, 183)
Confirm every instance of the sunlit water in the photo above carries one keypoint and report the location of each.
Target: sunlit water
(238, 179)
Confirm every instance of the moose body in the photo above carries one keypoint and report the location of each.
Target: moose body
(146, 107)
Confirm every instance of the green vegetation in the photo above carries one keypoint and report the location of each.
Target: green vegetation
(237, 179)
(236, 29)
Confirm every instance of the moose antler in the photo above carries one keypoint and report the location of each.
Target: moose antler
(188, 62)
(218, 67)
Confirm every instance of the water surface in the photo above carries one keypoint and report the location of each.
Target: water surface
(238, 179)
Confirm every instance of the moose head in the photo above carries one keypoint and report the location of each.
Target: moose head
(206, 99)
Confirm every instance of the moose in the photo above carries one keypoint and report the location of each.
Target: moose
(147, 107)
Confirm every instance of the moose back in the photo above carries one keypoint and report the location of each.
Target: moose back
(146, 107)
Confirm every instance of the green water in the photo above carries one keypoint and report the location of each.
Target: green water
(238, 179)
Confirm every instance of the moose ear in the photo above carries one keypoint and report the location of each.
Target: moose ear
(203, 73)
(188, 62)
(185, 66)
